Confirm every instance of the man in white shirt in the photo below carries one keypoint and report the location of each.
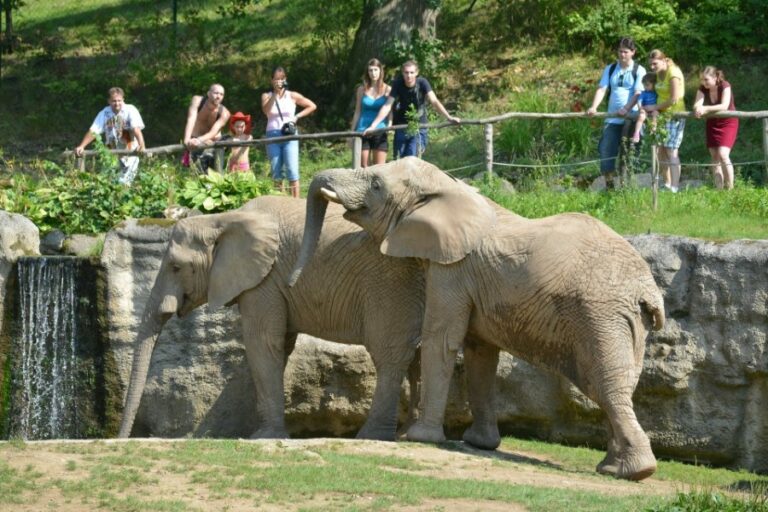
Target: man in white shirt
(121, 125)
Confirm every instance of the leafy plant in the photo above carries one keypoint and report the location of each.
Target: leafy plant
(217, 192)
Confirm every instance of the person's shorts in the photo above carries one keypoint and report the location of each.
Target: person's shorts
(376, 142)
(675, 129)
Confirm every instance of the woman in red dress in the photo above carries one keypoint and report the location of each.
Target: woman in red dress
(715, 95)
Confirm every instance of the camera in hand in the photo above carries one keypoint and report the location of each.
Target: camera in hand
(288, 128)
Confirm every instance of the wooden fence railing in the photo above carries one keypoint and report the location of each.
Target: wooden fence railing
(487, 124)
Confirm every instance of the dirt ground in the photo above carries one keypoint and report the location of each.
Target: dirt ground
(463, 462)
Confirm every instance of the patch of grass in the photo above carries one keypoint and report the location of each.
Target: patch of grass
(702, 213)
(15, 485)
(712, 501)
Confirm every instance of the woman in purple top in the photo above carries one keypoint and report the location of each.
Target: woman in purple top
(371, 96)
(715, 95)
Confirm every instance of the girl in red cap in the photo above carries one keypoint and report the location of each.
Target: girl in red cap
(240, 126)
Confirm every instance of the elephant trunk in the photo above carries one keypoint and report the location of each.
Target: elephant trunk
(149, 330)
(317, 204)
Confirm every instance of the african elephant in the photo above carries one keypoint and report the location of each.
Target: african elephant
(564, 292)
(349, 295)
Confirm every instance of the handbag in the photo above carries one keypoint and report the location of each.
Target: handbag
(288, 128)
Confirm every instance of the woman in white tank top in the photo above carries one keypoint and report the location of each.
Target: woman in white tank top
(279, 105)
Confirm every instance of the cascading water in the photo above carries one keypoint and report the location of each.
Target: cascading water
(46, 347)
(56, 357)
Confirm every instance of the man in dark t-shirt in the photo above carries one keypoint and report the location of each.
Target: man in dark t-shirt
(410, 92)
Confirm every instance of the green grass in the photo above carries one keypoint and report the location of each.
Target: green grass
(131, 477)
(702, 213)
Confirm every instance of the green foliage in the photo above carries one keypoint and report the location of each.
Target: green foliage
(650, 23)
(334, 32)
(84, 202)
(703, 212)
(718, 31)
(220, 192)
(713, 501)
(235, 8)
(430, 54)
(543, 141)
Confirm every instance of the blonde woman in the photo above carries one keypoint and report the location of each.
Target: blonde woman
(370, 97)
(670, 87)
(716, 95)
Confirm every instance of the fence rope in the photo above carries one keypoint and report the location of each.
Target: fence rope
(464, 167)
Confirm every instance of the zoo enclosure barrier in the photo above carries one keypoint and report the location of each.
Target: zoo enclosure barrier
(488, 131)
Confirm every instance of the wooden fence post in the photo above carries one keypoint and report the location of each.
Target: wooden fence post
(765, 150)
(357, 150)
(218, 159)
(488, 129)
(654, 177)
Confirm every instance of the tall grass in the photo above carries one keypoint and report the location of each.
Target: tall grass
(702, 213)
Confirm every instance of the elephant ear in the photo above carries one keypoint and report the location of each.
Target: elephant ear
(244, 253)
(442, 227)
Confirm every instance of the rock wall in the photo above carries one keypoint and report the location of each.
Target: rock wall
(703, 394)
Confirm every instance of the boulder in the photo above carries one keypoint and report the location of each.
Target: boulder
(18, 237)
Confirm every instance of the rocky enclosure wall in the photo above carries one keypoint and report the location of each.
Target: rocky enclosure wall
(703, 394)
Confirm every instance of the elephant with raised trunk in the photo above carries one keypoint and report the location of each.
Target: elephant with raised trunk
(564, 292)
(350, 294)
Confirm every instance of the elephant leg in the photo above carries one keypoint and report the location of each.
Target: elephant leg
(612, 453)
(266, 348)
(414, 376)
(445, 325)
(382, 418)
(480, 362)
(629, 449)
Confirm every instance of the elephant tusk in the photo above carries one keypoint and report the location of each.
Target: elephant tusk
(329, 195)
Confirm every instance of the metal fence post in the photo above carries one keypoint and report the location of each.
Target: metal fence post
(488, 130)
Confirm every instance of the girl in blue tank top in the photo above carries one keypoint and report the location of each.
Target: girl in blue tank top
(371, 96)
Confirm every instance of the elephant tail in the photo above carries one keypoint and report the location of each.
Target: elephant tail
(652, 304)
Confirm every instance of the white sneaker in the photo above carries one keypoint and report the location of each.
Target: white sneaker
(673, 189)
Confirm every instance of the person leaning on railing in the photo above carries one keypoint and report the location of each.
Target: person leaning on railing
(670, 87)
(716, 95)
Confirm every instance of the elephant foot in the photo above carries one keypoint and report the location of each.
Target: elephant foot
(377, 433)
(422, 433)
(270, 433)
(632, 464)
(485, 437)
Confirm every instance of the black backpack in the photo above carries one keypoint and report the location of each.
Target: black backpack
(610, 74)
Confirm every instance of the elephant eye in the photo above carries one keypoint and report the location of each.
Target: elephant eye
(375, 185)
(176, 268)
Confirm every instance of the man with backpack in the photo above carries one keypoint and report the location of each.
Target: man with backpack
(621, 83)
(205, 119)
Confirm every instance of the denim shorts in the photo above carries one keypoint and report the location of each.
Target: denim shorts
(408, 145)
(283, 155)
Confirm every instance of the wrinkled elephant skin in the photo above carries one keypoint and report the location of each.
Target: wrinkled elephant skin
(564, 292)
(348, 294)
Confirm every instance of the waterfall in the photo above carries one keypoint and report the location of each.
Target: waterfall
(44, 404)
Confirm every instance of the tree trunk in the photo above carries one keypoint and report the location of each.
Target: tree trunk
(8, 40)
(385, 22)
